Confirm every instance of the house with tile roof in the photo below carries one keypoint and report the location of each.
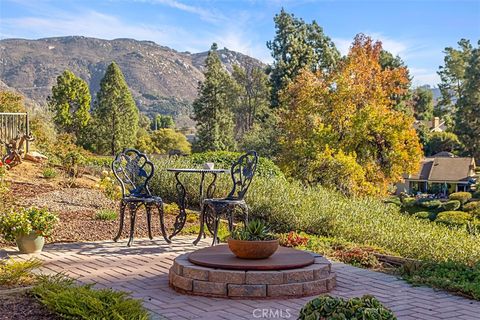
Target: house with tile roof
(443, 173)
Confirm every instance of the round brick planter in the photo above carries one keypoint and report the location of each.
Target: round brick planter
(186, 277)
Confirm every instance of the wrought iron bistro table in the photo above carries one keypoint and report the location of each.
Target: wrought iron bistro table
(182, 193)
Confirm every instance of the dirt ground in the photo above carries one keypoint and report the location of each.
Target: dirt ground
(22, 306)
(75, 206)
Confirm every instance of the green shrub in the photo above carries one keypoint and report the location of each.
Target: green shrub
(394, 200)
(453, 218)
(100, 161)
(49, 173)
(452, 276)
(289, 205)
(106, 215)
(471, 206)
(430, 204)
(408, 202)
(476, 195)
(224, 160)
(72, 301)
(451, 205)
(422, 215)
(463, 197)
(327, 307)
(17, 272)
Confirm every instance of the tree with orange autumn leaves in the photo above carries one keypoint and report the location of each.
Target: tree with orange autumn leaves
(340, 129)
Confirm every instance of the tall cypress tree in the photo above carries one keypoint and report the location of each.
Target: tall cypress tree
(70, 103)
(467, 124)
(212, 108)
(297, 45)
(116, 115)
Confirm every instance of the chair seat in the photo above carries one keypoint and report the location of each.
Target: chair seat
(145, 198)
(223, 201)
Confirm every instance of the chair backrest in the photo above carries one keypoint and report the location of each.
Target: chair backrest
(133, 170)
(242, 174)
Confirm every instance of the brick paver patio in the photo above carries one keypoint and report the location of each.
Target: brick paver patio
(143, 270)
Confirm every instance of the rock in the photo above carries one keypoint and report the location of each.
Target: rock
(35, 156)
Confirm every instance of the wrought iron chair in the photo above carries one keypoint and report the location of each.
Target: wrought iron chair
(133, 170)
(242, 173)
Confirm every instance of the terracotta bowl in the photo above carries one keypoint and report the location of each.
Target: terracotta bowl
(253, 249)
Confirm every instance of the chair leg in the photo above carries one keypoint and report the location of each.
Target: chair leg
(202, 224)
(133, 213)
(162, 222)
(215, 229)
(231, 215)
(148, 209)
(122, 219)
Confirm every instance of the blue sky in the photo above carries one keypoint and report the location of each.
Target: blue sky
(418, 31)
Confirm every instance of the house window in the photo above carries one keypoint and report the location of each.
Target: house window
(461, 187)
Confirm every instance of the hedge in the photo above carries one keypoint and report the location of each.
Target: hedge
(463, 197)
(453, 218)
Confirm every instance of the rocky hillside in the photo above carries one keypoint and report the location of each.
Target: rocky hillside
(161, 79)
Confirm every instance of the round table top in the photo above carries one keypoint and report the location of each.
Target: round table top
(194, 170)
(221, 257)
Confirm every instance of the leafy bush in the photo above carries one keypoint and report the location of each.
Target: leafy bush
(224, 159)
(463, 197)
(100, 161)
(106, 215)
(327, 307)
(49, 173)
(476, 195)
(451, 205)
(109, 186)
(451, 276)
(24, 221)
(430, 204)
(255, 230)
(408, 202)
(289, 205)
(394, 200)
(17, 272)
(71, 301)
(422, 215)
(6, 197)
(471, 206)
(453, 218)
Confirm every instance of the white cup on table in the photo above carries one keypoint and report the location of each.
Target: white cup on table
(209, 165)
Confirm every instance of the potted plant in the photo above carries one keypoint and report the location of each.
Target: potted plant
(28, 227)
(253, 241)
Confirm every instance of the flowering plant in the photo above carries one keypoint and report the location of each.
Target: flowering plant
(26, 220)
(109, 186)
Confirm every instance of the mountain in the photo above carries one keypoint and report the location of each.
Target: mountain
(161, 79)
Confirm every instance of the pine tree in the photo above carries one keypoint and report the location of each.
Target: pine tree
(467, 124)
(212, 108)
(70, 104)
(452, 75)
(116, 115)
(423, 103)
(297, 45)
